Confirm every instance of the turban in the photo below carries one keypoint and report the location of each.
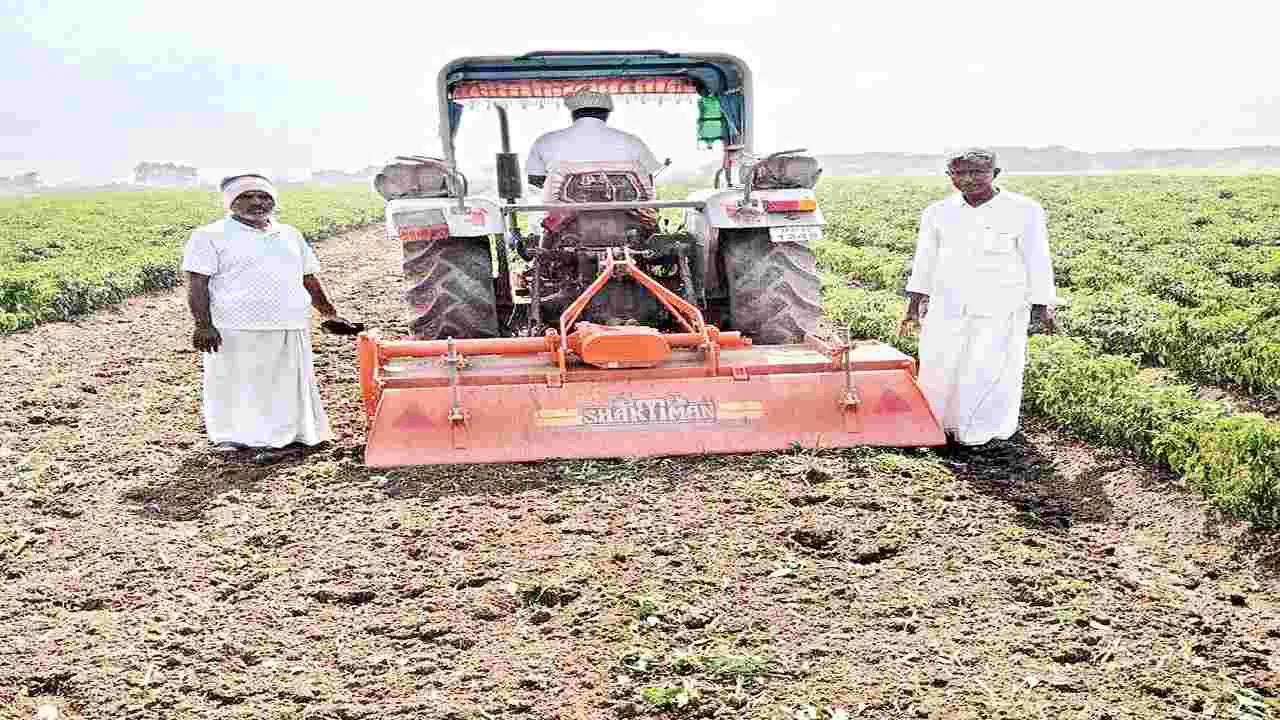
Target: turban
(978, 156)
(588, 99)
(234, 187)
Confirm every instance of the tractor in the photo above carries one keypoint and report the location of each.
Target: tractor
(698, 338)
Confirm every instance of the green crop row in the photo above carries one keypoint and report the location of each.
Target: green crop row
(1236, 345)
(1179, 270)
(1233, 460)
(872, 267)
(1198, 240)
(64, 255)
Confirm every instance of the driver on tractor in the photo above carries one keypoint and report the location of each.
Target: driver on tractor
(588, 139)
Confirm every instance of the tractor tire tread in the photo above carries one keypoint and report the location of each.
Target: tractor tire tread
(450, 289)
(775, 290)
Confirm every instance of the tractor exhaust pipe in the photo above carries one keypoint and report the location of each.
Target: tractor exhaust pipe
(509, 184)
(509, 188)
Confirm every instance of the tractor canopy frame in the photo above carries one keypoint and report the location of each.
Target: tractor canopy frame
(552, 74)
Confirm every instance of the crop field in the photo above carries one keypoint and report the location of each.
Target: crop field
(1161, 273)
(64, 255)
(1117, 559)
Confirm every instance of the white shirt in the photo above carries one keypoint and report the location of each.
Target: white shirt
(991, 259)
(588, 139)
(255, 276)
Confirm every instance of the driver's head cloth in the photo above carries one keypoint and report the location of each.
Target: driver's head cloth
(583, 99)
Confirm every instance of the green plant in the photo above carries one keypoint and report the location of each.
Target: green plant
(669, 697)
(1170, 271)
(62, 256)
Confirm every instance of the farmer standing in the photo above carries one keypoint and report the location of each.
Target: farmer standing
(981, 273)
(250, 283)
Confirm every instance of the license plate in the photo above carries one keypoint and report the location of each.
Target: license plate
(796, 233)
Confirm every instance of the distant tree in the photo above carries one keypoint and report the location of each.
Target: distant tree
(149, 173)
(341, 177)
(1056, 158)
(25, 181)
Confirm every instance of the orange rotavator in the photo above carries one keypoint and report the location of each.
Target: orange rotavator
(701, 339)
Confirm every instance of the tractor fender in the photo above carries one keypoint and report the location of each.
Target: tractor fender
(722, 211)
(479, 217)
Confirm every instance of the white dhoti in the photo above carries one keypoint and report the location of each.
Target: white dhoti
(971, 369)
(260, 390)
(982, 267)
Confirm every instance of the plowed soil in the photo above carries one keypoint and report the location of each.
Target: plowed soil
(145, 578)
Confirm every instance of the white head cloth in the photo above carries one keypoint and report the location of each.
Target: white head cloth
(976, 155)
(588, 99)
(243, 184)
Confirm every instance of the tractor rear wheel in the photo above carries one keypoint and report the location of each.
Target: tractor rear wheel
(449, 285)
(775, 293)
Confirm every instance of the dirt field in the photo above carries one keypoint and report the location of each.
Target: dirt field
(143, 578)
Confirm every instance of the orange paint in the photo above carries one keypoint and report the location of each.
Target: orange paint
(632, 391)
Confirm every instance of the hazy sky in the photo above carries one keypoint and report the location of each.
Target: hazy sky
(91, 88)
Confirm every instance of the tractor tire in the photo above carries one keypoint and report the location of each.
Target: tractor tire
(450, 288)
(775, 293)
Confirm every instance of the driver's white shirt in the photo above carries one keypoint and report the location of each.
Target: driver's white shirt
(588, 139)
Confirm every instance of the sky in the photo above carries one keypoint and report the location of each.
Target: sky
(92, 88)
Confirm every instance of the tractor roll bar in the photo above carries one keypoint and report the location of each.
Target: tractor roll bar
(746, 133)
(560, 53)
